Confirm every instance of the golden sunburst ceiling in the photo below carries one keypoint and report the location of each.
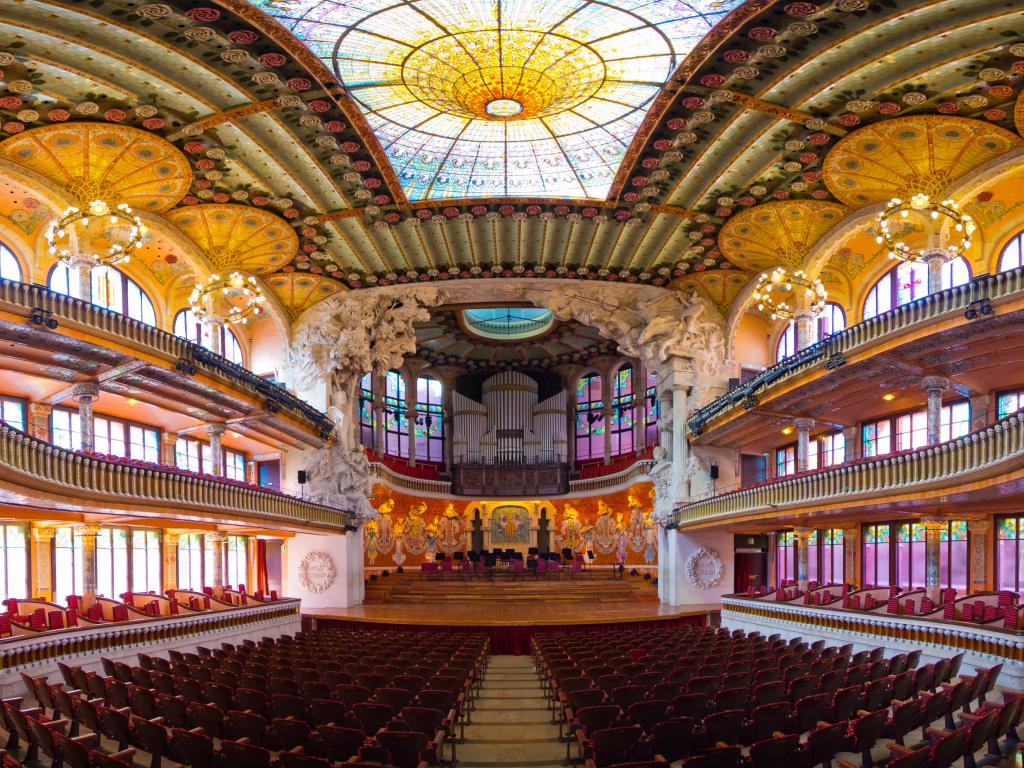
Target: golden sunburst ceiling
(489, 98)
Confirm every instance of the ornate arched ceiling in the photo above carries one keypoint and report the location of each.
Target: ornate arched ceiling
(748, 117)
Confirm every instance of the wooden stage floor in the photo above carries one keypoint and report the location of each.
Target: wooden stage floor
(529, 602)
(511, 614)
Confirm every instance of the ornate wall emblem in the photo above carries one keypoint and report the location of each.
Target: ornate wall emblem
(317, 572)
(704, 568)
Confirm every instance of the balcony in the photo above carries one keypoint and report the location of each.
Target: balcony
(77, 482)
(981, 456)
(47, 311)
(958, 306)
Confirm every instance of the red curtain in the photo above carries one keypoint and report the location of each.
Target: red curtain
(261, 566)
(515, 641)
(741, 562)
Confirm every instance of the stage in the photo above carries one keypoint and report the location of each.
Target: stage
(512, 611)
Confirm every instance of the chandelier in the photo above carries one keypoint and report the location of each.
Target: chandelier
(781, 281)
(90, 225)
(231, 299)
(921, 203)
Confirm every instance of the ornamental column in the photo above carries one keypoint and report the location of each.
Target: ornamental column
(88, 532)
(42, 563)
(217, 539)
(170, 557)
(980, 405)
(216, 336)
(86, 393)
(804, 329)
(935, 260)
(639, 407)
(169, 448)
(851, 555)
(932, 531)
(934, 386)
(851, 443)
(39, 421)
(84, 271)
(803, 443)
(802, 537)
(980, 532)
(607, 414)
(664, 423)
(411, 400)
(215, 431)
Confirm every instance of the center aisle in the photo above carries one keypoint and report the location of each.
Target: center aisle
(511, 722)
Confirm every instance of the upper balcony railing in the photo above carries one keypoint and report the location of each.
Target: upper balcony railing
(972, 298)
(994, 450)
(44, 306)
(31, 463)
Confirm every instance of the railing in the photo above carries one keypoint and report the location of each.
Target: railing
(420, 485)
(973, 296)
(637, 471)
(978, 454)
(29, 462)
(44, 305)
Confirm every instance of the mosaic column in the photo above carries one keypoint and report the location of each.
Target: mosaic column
(932, 531)
(804, 330)
(851, 555)
(410, 415)
(217, 540)
(803, 443)
(851, 443)
(980, 534)
(639, 406)
(773, 553)
(378, 388)
(88, 533)
(84, 270)
(980, 405)
(216, 336)
(169, 448)
(934, 386)
(802, 538)
(216, 452)
(42, 563)
(608, 414)
(86, 393)
(935, 261)
(170, 556)
(39, 420)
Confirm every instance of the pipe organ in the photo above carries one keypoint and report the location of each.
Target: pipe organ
(510, 426)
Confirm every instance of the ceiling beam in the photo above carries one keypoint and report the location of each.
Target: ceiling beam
(110, 375)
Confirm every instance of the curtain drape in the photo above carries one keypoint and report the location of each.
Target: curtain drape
(261, 565)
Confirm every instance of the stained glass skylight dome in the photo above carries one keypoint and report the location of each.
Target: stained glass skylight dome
(492, 98)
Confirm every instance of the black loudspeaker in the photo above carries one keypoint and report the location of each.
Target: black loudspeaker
(302, 477)
(714, 471)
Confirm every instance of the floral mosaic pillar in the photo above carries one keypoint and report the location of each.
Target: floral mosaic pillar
(42, 562)
(851, 555)
(802, 536)
(979, 579)
(933, 531)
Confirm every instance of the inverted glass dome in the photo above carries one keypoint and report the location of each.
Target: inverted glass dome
(508, 323)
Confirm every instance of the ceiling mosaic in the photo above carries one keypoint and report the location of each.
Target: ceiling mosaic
(291, 110)
(492, 98)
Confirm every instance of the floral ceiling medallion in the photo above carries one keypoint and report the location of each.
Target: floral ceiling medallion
(497, 98)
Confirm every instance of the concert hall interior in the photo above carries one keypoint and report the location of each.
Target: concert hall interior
(511, 383)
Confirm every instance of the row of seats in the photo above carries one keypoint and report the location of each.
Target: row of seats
(307, 701)
(716, 699)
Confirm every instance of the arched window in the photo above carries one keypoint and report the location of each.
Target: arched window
(590, 426)
(187, 325)
(1012, 255)
(651, 409)
(908, 281)
(10, 269)
(831, 320)
(623, 412)
(429, 423)
(111, 289)
(396, 421)
(367, 420)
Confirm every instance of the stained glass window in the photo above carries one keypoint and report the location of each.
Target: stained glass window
(1009, 403)
(67, 563)
(1010, 553)
(1012, 255)
(111, 289)
(13, 562)
(10, 267)
(785, 558)
(396, 422)
(12, 412)
(187, 325)
(831, 449)
(877, 555)
(785, 461)
(488, 98)
(590, 426)
(833, 569)
(367, 418)
(832, 320)
(908, 281)
(623, 412)
(429, 425)
(787, 343)
(651, 410)
(910, 555)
